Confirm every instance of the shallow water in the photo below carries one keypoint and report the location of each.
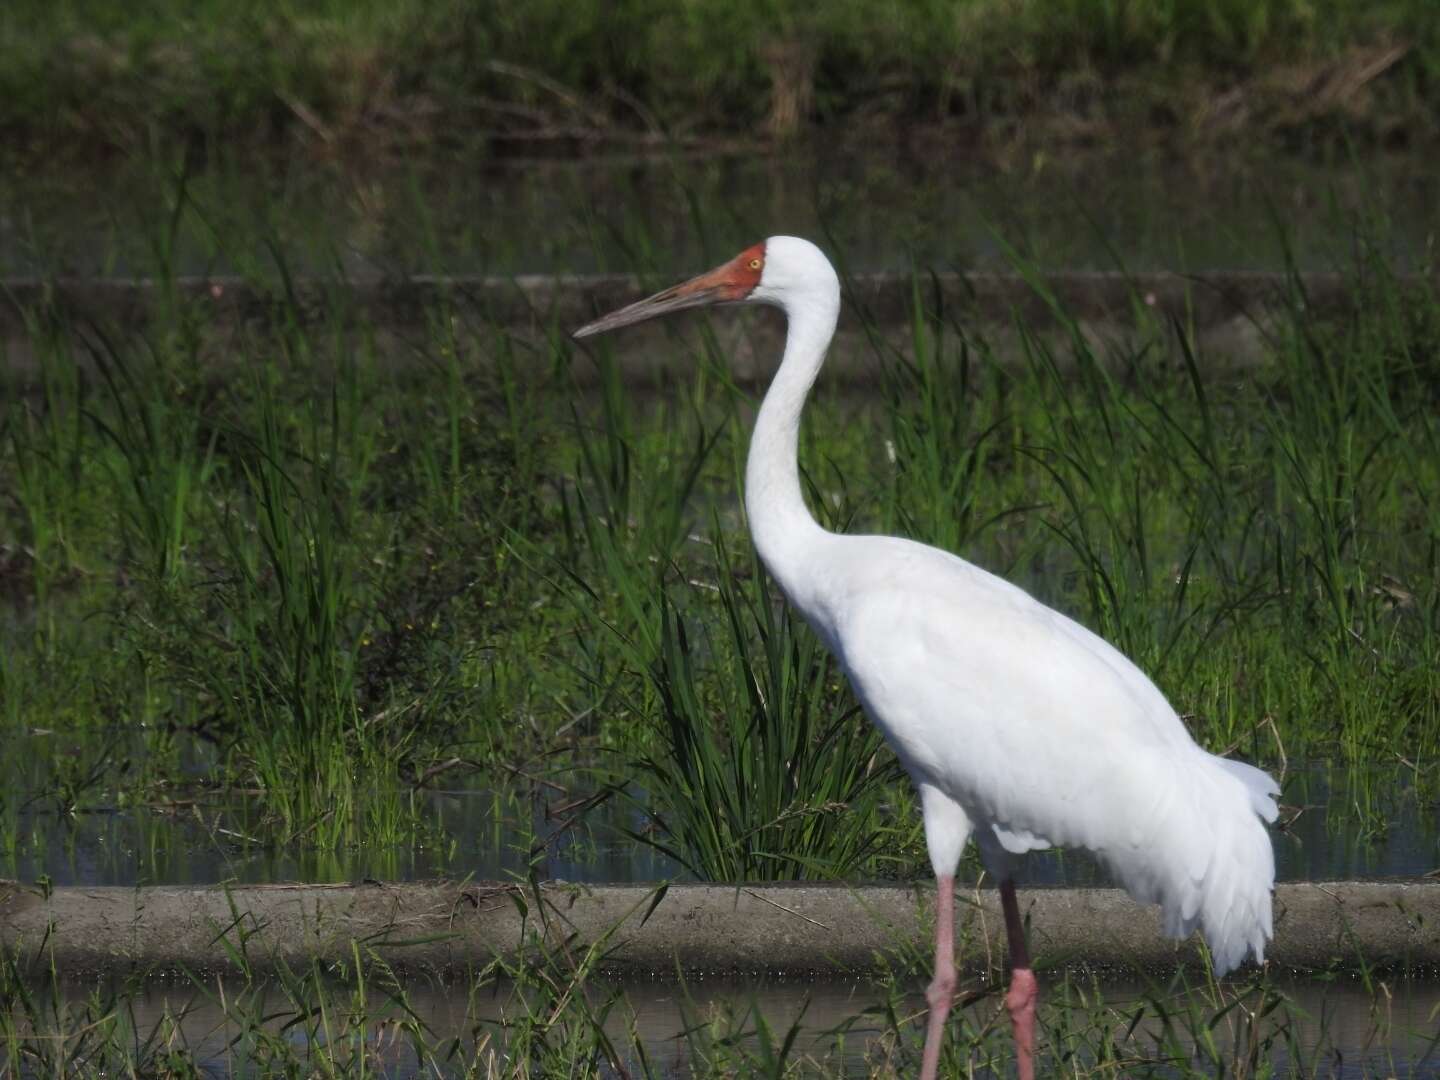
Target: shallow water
(1337, 824)
(454, 212)
(1342, 1030)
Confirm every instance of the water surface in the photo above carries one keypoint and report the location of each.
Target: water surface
(1336, 825)
(453, 211)
(1340, 1030)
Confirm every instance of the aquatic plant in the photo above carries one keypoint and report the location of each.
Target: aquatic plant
(312, 564)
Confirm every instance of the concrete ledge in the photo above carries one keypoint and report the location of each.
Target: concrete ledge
(785, 929)
(1206, 297)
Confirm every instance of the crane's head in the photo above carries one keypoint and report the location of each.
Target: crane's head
(774, 271)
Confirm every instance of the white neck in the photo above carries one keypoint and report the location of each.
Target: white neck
(780, 522)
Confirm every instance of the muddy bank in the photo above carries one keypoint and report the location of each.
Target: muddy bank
(1227, 314)
(644, 931)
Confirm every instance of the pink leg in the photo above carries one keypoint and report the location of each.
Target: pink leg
(1024, 991)
(942, 987)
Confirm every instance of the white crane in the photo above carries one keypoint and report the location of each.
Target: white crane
(1018, 726)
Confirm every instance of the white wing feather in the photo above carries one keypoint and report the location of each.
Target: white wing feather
(1045, 734)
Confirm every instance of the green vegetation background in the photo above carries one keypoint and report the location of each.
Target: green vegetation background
(290, 574)
(89, 74)
(301, 574)
(287, 581)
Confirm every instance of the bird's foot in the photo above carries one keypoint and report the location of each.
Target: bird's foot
(1020, 1000)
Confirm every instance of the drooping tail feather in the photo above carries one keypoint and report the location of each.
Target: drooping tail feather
(1262, 787)
(1216, 864)
(1235, 911)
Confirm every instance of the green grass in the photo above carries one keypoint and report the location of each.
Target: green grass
(91, 74)
(548, 1011)
(317, 568)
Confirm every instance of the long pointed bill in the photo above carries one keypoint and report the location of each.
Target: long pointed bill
(675, 298)
(726, 284)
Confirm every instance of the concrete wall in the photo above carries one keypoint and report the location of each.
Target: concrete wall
(791, 930)
(1228, 314)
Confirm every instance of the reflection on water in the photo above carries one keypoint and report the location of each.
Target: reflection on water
(1337, 824)
(1344, 1030)
(471, 833)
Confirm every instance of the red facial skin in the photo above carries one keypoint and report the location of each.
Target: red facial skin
(731, 281)
(726, 284)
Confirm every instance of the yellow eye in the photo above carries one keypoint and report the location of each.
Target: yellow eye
(754, 264)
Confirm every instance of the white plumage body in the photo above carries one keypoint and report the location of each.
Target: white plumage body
(1043, 734)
